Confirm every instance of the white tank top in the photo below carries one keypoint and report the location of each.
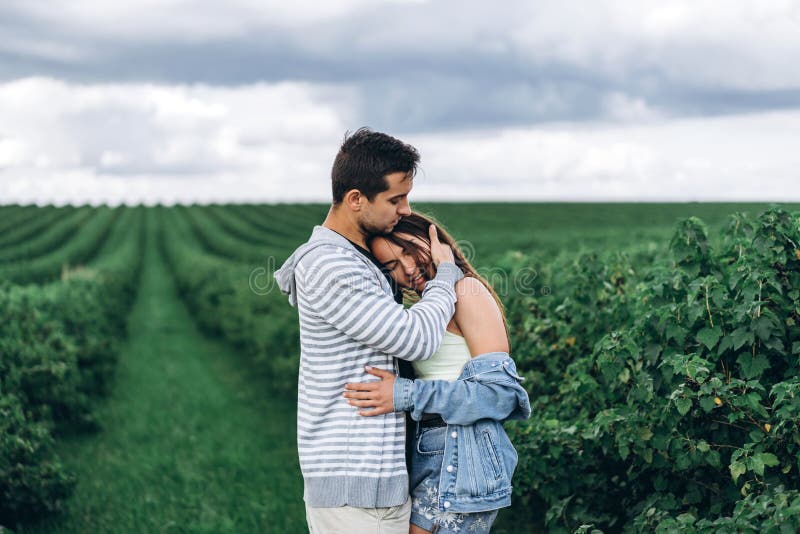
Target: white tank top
(447, 362)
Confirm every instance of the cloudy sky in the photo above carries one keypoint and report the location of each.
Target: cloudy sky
(248, 100)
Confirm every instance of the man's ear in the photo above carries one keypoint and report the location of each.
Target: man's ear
(354, 199)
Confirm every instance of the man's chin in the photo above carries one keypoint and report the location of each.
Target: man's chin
(390, 228)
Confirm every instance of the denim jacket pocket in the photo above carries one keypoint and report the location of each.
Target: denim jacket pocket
(430, 441)
(491, 454)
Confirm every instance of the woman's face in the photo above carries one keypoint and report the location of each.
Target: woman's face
(402, 264)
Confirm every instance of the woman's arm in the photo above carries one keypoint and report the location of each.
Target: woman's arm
(479, 318)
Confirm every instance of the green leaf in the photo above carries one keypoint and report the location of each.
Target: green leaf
(645, 434)
(707, 404)
(727, 343)
(719, 296)
(737, 469)
(757, 465)
(752, 367)
(709, 336)
(740, 336)
(676, 332)
(683, 404)
(624, 376)
(764, 327)
(661, 441)
(683, 462)
(769, 459)
(703, 446)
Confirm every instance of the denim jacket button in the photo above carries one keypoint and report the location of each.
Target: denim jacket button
(447, 504)
(450, 468)
(454, 434)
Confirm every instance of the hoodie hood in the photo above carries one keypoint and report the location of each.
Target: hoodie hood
(320, 237)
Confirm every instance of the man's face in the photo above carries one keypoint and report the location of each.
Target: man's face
(382, 214)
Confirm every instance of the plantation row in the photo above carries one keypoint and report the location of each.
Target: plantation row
(225, 278)
(58, 341)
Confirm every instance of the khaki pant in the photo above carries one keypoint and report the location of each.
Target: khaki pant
(349, 520)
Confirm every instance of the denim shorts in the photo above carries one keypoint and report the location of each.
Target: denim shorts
(426, 465)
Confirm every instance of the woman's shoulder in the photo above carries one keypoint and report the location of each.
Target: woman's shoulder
(472, 292)
(469, 285)
(479, 317)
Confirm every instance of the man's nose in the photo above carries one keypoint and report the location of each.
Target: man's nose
(404, 208)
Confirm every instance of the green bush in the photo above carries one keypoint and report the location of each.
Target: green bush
(32, 481)
(58, 344)
(668, 392)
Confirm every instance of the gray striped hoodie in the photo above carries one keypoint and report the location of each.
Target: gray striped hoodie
(349, 319)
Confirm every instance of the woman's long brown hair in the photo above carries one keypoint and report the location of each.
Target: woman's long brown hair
(417, 225)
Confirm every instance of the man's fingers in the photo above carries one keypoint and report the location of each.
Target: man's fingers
(362, 386)
(439, 251)
(372, 413)
(361, 395)
(433, 234)
(382, 373)
(361, 403)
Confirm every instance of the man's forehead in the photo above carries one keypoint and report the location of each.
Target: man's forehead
(399, 184)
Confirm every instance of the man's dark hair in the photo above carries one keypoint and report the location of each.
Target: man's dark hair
(365, 158)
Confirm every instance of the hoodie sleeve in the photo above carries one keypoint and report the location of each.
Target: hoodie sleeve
(341, 291)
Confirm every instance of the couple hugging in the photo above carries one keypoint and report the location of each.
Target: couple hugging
(367, 468)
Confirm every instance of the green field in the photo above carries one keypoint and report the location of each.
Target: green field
(148, 369)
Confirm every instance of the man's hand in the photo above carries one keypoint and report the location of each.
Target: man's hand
(378, 396)
(439, 251)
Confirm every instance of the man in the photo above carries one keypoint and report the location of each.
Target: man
(353, 467)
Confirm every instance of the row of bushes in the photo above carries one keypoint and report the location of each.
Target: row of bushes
(666, 393)
(235, 300)
(46, 257)
(48, 238)
(58, 349)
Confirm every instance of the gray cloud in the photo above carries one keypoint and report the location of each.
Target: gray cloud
(432, 66)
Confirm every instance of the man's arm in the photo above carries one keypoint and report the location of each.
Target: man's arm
(460, 402)
(350, 298)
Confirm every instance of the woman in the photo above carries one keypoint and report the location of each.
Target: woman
(462, 460)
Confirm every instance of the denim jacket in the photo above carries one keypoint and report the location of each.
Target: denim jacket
(479, 459)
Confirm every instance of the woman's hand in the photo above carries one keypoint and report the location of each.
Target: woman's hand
(376, 396)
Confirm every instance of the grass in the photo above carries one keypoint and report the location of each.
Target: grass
(190, 442)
